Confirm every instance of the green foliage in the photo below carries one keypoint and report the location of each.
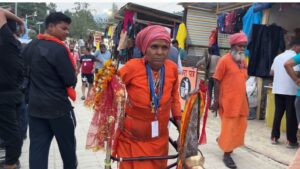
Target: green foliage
(82, 20)
(29, 10)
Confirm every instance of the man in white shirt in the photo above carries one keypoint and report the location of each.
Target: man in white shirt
(285, 91)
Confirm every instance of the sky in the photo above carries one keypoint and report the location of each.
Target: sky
(101, 8)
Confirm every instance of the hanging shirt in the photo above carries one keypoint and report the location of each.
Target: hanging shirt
(181, 35)
(283, 83)
(265, 44)
(249, 19)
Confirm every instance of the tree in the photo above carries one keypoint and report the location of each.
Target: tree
(29, 10)
(52, 7)
(82, 21)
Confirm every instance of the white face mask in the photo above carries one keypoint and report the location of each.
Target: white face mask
(238, 55)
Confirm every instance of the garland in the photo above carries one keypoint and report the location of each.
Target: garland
(107, 98)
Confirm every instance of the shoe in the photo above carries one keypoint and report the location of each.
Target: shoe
(292, 145)
(83, 98)
(228, 161)
(17, 166)
(274, 141)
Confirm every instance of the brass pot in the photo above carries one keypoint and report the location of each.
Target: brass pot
(194, 162)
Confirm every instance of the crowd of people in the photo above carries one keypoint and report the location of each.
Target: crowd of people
(40, 79)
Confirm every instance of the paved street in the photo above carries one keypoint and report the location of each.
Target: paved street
(259, 153)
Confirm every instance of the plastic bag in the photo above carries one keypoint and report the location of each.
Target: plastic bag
(252, 92)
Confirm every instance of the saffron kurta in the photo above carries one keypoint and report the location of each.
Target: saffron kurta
(135, 139)
(233, 104)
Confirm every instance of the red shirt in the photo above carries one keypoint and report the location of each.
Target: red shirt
(87, 64)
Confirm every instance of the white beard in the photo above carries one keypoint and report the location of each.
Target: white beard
(238, 55)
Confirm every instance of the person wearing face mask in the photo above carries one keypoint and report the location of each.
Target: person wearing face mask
(230, 97)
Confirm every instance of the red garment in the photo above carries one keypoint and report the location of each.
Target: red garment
(149, 34)
(87, 64)
(238, 38)
(70, 90)
(128, 18)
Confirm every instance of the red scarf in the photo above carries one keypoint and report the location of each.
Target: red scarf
(70, 90)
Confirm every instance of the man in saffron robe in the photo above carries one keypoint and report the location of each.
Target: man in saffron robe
(231, 100)
(153, 91)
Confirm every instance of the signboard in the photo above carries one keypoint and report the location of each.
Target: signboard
(187, 83)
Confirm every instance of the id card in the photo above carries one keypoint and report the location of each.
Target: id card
(154, 126)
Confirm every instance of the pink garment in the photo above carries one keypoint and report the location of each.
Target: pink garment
(150, 34)
(128, 17)
(238, 38)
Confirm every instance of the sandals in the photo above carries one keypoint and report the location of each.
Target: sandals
(228, 161)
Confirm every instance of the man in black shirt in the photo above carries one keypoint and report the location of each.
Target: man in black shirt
(10, 80)
(51, 114)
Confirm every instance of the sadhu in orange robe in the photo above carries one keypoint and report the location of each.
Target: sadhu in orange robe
(233, 104)
(135, 139)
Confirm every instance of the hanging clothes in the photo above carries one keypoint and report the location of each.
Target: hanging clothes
(117, 33)
(128, 18)
(113, 31)
(249, 19)
(123, 41)
(109, 31)
(106, 32)
(181, 35)
(175, 31)
(262, 6)
(221, 23)
(229, 22)
(238, 24)
(213, 42)
(265, 44)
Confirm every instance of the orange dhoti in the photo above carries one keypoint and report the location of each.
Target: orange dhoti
(131, 148)
(232, 133)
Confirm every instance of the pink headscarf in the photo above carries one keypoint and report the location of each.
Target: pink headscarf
(238, 38)
(150, 34)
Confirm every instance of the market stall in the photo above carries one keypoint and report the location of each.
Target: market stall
(131, 19)
(262, 22)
